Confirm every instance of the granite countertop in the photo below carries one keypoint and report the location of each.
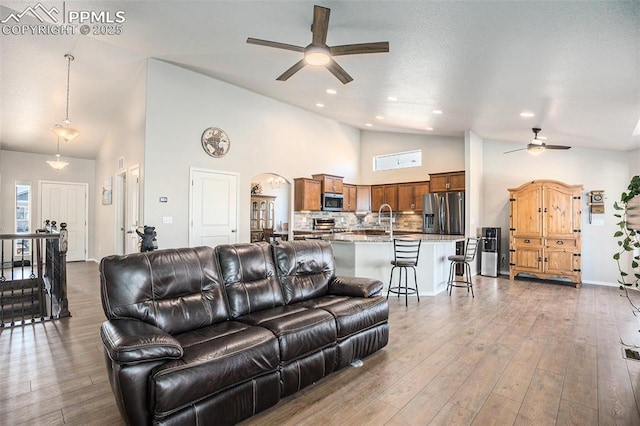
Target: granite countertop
(426, 238)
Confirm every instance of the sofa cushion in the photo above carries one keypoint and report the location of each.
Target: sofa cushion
(300, 331)
(215, 357)
(357, 314)
(175, 290)
(305, 268)
(249, 277)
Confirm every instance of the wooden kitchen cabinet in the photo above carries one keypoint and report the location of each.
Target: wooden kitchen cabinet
(307, 194)
(363, 195)
(447, 182)
(545, 230)
(330, 183)
(350, 198)
(410, 195)
(384, 194)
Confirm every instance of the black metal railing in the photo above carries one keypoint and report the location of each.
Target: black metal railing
(33, 276)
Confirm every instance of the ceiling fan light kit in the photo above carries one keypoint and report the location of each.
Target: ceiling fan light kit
(537, 146)
(318, 53)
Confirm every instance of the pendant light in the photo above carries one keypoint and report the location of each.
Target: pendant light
(57, 164)
(65, 132)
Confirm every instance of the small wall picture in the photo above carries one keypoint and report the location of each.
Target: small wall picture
(107, 191)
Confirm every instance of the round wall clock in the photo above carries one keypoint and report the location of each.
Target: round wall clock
(215, 142)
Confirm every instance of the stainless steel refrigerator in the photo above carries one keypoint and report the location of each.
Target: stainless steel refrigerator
(443, 213)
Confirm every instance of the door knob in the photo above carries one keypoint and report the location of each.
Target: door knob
(233, 230)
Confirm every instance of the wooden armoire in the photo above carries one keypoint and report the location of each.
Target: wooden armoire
(545, 230)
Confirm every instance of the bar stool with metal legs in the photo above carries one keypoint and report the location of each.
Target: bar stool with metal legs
(465, 259)
(406, 253)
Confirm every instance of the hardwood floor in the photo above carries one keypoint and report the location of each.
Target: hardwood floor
(521, 352)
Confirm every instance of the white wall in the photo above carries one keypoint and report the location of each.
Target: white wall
(26, 167)
(266, 136)
(126, 139)
(474, 177)
(595, 169)
(439, 154)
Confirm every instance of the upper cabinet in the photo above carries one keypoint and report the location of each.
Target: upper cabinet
(384, 194)
(350, 198)
(363, 194)
(445, 182)
(410, 195)
(329, 183)
(307, 194)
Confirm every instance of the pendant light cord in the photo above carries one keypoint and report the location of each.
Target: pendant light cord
(69, 59)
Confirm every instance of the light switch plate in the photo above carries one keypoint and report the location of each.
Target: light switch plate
(167, 219)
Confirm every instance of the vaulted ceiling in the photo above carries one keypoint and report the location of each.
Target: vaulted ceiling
(575, 65)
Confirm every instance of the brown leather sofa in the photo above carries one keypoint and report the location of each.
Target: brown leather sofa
(202, 336)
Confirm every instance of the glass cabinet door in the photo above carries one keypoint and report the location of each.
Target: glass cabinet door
(271, 215)
(254, 215)
(263, 215)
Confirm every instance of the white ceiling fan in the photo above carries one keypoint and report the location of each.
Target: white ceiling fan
(537, 146)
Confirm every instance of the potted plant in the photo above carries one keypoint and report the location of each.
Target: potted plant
(628, 235)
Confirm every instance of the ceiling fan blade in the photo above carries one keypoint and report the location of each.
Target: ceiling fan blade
(275, 44)
(320, 25)
(557, 147)
(356, 49)
(514, 150)
(291, 71)
(339, 72)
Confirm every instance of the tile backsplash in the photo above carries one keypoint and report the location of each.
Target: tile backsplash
(304, 221)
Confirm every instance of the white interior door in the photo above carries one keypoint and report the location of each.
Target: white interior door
(132, 210)
(120, 197)
(213, 208)
(67, 202)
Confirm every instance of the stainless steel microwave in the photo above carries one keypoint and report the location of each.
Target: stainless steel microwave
(332, 202)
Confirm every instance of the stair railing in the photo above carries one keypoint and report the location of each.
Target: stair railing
(33, 276)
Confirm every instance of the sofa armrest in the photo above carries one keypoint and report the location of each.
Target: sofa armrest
(355, 287)
(133, 341)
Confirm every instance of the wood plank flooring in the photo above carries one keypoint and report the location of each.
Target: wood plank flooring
(519, 353)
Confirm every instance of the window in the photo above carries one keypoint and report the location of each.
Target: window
(23, 216)
(399, 160)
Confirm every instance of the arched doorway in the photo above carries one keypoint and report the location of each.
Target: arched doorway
(270, 204)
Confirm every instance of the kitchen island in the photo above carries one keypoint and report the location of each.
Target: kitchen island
(371, 255)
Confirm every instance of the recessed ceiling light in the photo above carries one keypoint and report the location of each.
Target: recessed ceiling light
(319, 105)
(379, 117)
(331, 91)
(437, 111)
(527, 114)
(369, 125)
(392, 98)
(428, 128)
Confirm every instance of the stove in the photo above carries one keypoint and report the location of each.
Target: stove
(326, 225)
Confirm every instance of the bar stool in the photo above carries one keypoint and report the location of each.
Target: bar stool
(465, 259)
(406, 253)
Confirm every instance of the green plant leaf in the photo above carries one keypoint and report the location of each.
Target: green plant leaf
(616, 256)
(618, 234)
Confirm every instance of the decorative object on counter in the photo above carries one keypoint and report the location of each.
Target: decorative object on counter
(469, 254)
(148, 241)
(256, 188)
(215, 142)
(406, 252)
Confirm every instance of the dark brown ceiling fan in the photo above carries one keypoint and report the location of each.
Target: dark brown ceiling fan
(537, 146)
(318, 53)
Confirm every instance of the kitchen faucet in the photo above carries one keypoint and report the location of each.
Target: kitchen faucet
(390, 219)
